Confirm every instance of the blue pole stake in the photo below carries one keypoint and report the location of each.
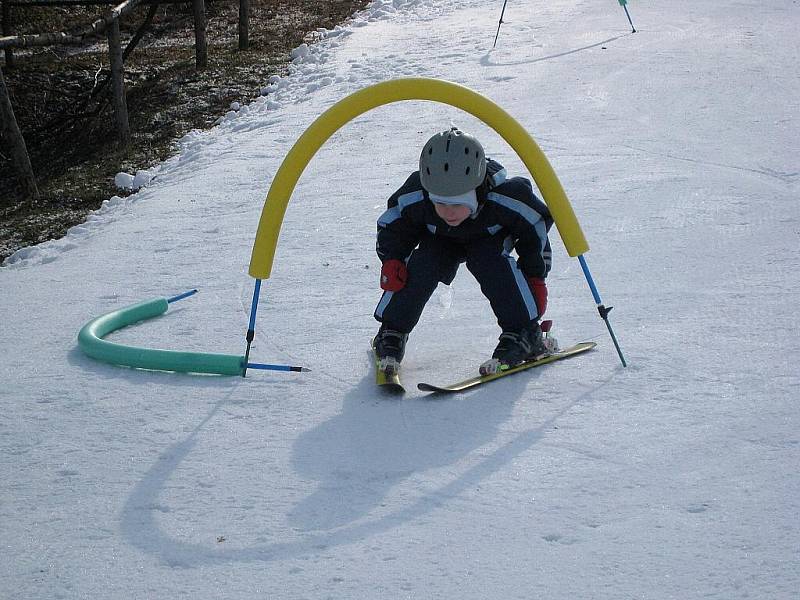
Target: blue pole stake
(254, 305)
(181, 296)
(600, 308)
(251, 329)
(623, 4)
(277, 367)
(250, 334)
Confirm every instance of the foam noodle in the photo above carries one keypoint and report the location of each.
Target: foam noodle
(91, 342)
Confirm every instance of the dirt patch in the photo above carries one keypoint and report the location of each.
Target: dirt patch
(61, 98)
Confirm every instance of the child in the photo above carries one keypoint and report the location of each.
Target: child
(459, 207)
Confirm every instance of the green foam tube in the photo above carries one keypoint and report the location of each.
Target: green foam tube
(91, 342)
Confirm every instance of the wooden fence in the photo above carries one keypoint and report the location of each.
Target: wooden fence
(9, 130)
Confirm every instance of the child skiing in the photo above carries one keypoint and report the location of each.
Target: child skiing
(460, 207)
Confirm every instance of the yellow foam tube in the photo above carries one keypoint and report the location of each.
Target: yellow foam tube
(396, 90)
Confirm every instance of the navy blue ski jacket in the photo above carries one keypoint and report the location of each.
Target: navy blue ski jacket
(507, 208)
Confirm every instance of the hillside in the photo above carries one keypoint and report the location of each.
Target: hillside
(61, 98)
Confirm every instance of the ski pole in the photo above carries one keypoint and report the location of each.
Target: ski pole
(624, 5)
(502, 12)
(600, 308)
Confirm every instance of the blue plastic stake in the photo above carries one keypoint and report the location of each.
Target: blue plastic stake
(623, 4)
(181, 296)
(600, 308)
(251, 329)
(277, 367)
(254, 305)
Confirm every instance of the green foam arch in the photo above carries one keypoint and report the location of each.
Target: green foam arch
(411, 88)
(91, 342)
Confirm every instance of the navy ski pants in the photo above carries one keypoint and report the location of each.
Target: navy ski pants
(437, 259)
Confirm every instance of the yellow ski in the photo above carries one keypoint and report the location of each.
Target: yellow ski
(389, 382)
(480, 379)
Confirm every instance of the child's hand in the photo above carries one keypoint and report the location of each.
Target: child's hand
(393, 275)
(539, 290)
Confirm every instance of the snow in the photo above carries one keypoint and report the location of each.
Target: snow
(126, 181)
(676, 477)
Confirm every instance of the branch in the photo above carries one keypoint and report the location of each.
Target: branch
(63, 38)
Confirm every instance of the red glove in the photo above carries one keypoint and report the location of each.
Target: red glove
(539, 290)
(393, 275)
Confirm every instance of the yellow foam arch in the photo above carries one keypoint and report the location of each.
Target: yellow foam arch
(395, 90)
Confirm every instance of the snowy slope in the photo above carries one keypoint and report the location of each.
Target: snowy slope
(674, 478)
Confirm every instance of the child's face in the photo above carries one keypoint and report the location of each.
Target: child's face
(452, 214)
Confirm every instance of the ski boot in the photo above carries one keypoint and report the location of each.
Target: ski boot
(517, 347)
(389, 345)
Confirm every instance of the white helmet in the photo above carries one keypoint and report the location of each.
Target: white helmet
(452, 163)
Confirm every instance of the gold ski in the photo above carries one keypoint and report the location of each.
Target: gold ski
(480, 379)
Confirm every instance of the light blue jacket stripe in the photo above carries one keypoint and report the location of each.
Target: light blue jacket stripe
(530, 215)
(384, 302)
(523, 287)
(392, 214)
(499, 177)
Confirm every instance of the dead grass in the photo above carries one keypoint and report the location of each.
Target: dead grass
(65, 115)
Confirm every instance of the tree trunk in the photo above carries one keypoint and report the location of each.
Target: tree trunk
(201, 48)
(10, 133)
(7, 31)
(118, 82)
(244, 24)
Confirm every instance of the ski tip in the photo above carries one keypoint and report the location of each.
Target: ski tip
(433, 389)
